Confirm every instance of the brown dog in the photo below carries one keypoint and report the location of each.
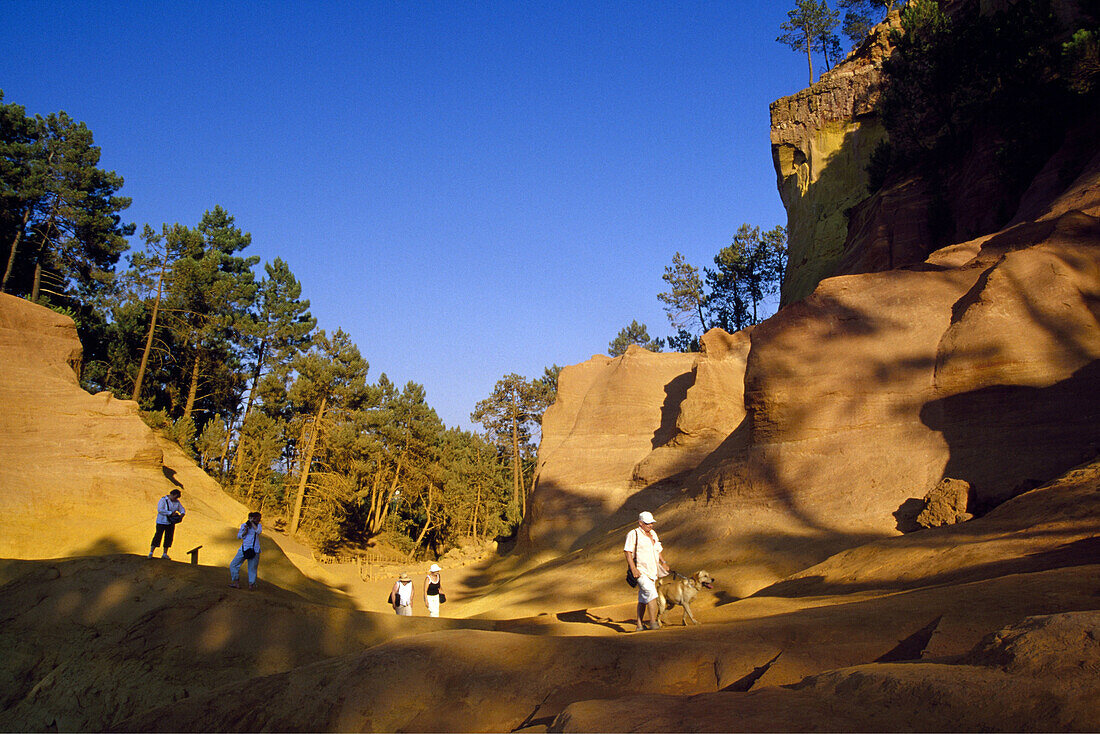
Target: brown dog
(676, 589)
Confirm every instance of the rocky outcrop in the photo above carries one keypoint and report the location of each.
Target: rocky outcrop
(822, 139)
(1036, 675)
(585, 470)
(82, 473)
(981, 364)
(945, 504)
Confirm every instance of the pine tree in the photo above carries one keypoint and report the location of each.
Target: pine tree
(213, 289)
(61, 214)
(635, 333)
(330, 377)
(510, 415)
(685, 299)
(806, 26)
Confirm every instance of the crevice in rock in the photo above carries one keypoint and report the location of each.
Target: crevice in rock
(532, 721)
(742, 685)
(913, 646)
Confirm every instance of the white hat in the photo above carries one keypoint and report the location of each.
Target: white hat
(434, 568)
(646, 517)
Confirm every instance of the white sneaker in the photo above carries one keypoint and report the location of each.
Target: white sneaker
(165, 555)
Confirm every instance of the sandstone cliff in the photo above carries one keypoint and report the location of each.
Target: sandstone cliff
(81, 474)
(822, 139)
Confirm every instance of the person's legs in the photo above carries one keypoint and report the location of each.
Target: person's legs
(405, 611)
(235, 567)
(433, 605)
(169, 534)
(647, 599)
(253, 566)
(654, 622)
(156, 538)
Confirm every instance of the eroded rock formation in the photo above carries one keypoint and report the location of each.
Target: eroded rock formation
(822, 139)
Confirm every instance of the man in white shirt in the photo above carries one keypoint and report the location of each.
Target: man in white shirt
(169, 512)
(644, 557)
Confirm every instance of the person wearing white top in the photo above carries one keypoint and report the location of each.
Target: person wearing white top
(644, 557)
(169, 512)
(249, 534)
(432, 590)
(401, 596)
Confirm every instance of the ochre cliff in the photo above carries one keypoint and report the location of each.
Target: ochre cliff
(81, 474)
(822, 139)
(817, 430)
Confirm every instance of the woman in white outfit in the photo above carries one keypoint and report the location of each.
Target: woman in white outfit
(401, 596)
(249, 534)
(432, 590)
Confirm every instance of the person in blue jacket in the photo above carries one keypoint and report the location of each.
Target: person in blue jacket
(249, 551)
(169, 512)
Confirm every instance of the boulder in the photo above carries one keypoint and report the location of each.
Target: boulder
(945, 504)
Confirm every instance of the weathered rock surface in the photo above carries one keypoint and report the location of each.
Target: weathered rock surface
(81, 474)
(822, 139)
(945, 504)
(981, 364)
(610, 414)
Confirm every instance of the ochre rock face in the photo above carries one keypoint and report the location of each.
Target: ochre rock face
(82, 473)
(981, 364)
(609, 415)
(822, 139)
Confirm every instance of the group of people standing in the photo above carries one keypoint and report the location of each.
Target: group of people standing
(643, 550)
(401, 595)
(170, 512)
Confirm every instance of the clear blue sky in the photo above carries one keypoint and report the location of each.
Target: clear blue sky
(468, 188)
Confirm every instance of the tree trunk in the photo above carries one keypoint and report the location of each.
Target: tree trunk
(14, 250)
(37, 282)
(193, 390)
(384, 508)
(148, 341)
(225, 446)
(252, 484)
(251, 398)
(517, 476)
(306, 461)
(477, 505)
(809, 59)
(428, 520)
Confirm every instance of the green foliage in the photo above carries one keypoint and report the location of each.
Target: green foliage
(862, 15)
(635, 333)
(683, 341)
(181, 431)
(810, 27)
(731, 295)
(954, 78)
(511, 415)
(60, 211)
(1081, 60)
(210, 442)
(685, 299)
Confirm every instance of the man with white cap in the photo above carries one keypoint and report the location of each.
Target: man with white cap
(643, 555)
(432, 591)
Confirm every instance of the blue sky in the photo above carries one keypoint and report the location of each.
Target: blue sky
(467, 188)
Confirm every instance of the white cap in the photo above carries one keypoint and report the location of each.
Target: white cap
(434, 568)
(646, 517)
